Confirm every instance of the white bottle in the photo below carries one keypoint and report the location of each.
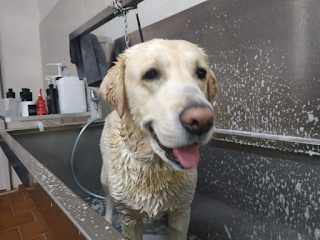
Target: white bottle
(71, 91)
(71, 95)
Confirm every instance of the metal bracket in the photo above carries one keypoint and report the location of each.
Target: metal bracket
(40, 126)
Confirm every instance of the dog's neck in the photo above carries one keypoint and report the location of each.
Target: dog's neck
(137, 141)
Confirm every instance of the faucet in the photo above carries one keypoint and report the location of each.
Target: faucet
(95, 99)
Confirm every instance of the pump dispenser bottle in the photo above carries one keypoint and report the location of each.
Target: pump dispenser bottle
(71, 92)
(52, 96)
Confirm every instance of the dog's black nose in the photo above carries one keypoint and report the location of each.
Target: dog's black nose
(197, 119)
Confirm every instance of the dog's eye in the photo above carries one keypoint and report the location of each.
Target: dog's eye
(201, 73)
(151, 75)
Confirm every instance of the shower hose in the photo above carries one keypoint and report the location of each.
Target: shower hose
(72, 160)
(91, 121)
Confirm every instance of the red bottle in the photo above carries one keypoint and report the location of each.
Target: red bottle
(41, 105)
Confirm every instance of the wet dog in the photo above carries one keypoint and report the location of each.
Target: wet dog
(162, 92)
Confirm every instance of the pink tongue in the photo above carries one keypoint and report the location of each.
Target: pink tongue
(188, 156)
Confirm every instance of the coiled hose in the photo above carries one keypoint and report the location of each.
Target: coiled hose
(72, 160)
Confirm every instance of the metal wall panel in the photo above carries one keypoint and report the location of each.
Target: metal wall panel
(266, 55)
(243, 191)
(246, 192)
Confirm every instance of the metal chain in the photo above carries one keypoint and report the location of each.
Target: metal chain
(116, 5)
(126, 37)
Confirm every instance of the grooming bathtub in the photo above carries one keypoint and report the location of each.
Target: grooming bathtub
(243, 192)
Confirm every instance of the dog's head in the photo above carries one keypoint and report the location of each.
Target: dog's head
(168, 88)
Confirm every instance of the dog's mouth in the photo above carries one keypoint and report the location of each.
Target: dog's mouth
(185, 157)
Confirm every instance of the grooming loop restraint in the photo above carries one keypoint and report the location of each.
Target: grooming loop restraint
(119, 10)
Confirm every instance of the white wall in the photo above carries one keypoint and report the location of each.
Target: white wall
(22, 60)
(15, 180)
(150, 11)
(4, 172)
(45, 7)
(20, 45)
(8, 176)
(66, 16)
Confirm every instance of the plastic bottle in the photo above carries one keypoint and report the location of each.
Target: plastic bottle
(27, 106)
(11, 94)
(41, 105)
(10, 106)
(52, 100)
(72, 96)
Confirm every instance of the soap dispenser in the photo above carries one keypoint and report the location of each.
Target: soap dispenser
(71, 92)
(52, 96)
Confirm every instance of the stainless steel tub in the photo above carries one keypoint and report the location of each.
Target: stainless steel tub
(41, 161)
(243, 191)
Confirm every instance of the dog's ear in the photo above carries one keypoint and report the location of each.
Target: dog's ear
(212, 86)
(112, 87)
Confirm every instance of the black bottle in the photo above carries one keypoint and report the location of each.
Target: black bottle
(52, 102)
(10, 93)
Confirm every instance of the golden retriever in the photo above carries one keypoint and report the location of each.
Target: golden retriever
(162, 92)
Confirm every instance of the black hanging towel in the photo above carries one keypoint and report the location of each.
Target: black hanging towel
(90, 59)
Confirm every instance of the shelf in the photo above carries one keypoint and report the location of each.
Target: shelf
(45, 117)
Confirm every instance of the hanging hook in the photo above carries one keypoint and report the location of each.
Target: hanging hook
(119, 10)
(116, 5)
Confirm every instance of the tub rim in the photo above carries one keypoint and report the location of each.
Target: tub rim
(31, 171)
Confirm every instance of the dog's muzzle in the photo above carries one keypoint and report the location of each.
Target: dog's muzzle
(197, 119)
